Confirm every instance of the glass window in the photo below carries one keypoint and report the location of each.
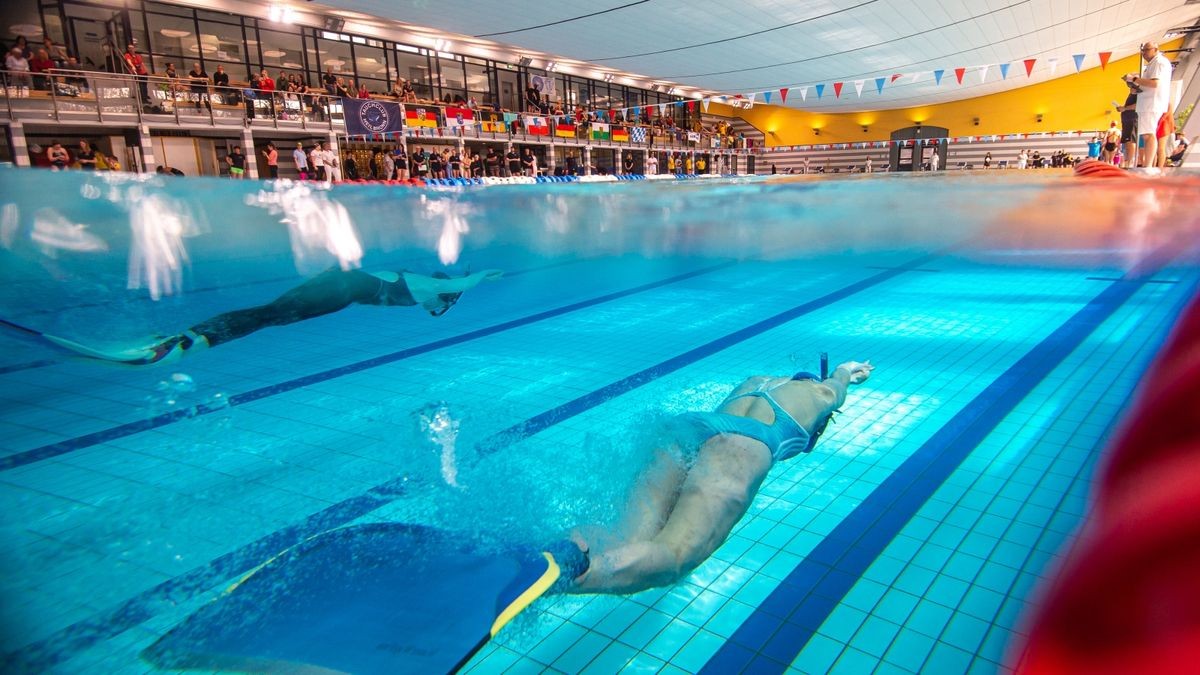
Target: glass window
(580, 92)
(479, 82)
(452, 79)
(223, 42)
(173, 10)
(174, 38)
(137, 21)
(414, 67)
(370, 63)
(20, 18)
(334, 56)
(279, 51)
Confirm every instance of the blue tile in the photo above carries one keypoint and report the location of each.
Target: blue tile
(578, 657)
(947, 659)
(929, 618)
(817, 656)
(981, 603)
(875, 636)
(915, 580)
(896, 606)
(909, 650)
(697, 651)
(670, 640)
(843, 623)
(612, 660)
(854, 662)
(965, 632)
(645, 629)
(946, 591)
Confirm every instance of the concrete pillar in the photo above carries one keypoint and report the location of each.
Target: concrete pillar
(20, 149)
(645, 161)
(147, 145)
(251, 154)
(587, 160)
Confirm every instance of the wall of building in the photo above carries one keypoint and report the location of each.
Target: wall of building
(1076, 102)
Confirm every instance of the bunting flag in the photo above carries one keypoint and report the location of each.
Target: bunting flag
(983, 73)
(459, 118)
(750, 97)
(916, 76)
(937, 76)
(420, 117)
(620, 134)
(566, 129)
(783, 95)
(1053, 65)
(704, 104)
(1078, 61)
(1104, 57)
(691, 106)
(612, 115)
(820, 89)
(879, 84)
(509, 117)
(897, 76)
(766, 97)
(537, 125)
(958, 74)
(662, 109)
(803, 94)
(858, 87)
(1004, 70)
(1029, 67)
(837, 89)
(599, 131)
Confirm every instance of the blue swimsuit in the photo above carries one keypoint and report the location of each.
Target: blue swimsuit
(784, 437)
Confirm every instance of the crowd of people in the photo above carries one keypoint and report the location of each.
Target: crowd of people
(85, 156)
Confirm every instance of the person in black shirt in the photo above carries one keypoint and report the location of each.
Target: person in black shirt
(237, 162)
(330, 81)
(198, 84)
(514, 161)
(86, 156)
(220, 80)
(492, 162)
(1129, 125)
(455, 163)
(628, 163)
(528, 162)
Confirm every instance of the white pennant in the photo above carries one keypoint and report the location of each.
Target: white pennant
(662, 109)
(916, 76)
(803, 94)
(1053, 66)
(704, 104)
(750, 97)
(858, 85)
(983, 73)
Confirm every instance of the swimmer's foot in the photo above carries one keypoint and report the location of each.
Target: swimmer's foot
(168, 350)
(572, 558)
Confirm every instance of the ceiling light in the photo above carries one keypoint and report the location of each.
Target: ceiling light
(442, 45)
(334, 62)
(173, 33)
(551, 66)
(281, 14)
(291, 64)
(26, 29)
(274, 53)
(608, 77)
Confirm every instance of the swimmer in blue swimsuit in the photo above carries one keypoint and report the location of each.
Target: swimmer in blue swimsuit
(688, 502)
(328, 292)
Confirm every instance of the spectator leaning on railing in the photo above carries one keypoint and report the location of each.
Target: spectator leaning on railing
(19, 80)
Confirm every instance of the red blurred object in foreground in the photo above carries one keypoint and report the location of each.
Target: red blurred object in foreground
(1127, 600)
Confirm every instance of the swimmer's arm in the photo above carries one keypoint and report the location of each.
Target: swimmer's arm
(846, 374)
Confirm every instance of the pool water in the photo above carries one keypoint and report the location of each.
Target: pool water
(1009, 319)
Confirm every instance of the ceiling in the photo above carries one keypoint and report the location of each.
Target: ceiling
(707, 47)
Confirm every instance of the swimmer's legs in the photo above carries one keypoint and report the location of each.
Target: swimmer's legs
(328, 292)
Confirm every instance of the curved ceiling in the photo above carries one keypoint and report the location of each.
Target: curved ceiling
(744, 46)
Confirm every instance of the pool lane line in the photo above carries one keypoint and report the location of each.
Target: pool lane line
(18, 367)
(549, 418)
(44, 654)
(784, 622)
(70, 445)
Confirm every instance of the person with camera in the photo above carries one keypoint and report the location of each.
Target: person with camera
(1152, 104)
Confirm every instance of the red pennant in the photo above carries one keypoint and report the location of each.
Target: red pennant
(837, 89)
(1029, 67)
(958, 73)
(691, 106)
(897, 76)
(783, 95)
(612, 115)
(1104, 57)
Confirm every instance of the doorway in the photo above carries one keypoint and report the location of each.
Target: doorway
(99, 35)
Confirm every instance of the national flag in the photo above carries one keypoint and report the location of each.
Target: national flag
(458, 118)
(537, 125)
(420, 117)
(620, 134)
(494, 126)
(566, 129)
(637, 134)
(599, 131)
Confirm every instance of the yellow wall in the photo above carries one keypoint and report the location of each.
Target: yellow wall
(1077, 102)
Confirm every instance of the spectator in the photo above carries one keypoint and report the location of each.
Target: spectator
(350, 168)
(528, 163)
(652, 165)
(491, 163)
(301, 159)
(513, 161)
(333, 166)
(400, 158)
(318, 161)
(1153, 104)
(329, 81)
(237, 163)
(168, 170)
(220, 80)
(362, 91)
(18, 72)
(135, 66)
(987, 161)
(58, 156)
(1181, 146)
(57, 53)
(272, 157)
(23, 45)
(198, 84)
(41, 65)
(86, 156)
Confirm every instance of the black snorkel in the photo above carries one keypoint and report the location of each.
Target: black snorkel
(819, 428)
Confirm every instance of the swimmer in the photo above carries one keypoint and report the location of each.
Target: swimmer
(704, 475)
(328, 292)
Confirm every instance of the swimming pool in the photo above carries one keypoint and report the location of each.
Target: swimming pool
(1009, 318)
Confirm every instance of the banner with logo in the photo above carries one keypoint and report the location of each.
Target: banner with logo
(365, 116)
(419, 117)
(458, 118)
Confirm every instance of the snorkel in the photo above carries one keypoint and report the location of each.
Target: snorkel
(805, 375)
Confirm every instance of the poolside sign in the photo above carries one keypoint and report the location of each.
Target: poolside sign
(365, 116)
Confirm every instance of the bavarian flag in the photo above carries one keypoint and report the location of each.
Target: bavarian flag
(420, 117)
(620, 134)
(536, 125)
(458, 118)
(565, 128)
(599, 131)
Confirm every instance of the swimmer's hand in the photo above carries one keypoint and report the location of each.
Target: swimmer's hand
(859, 372)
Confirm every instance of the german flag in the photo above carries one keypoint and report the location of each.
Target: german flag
(421, 117)
(566, 129)
(620, 134)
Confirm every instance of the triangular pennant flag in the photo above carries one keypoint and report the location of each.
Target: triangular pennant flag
(704, 104)
(1104, 57)
(751, 98)
(983, 73)
(766, 97)
(662, 109)
(897, 76)
(958, 74)
(858, 86)
(820, 89)
(691, 106)
(937, 75)
(837, 89)
(1053, 65)
(916, 76)
(879, 84)
(1078, 61)
(803, 94)
(783, 95)
(1029, 67)
(1004, 70)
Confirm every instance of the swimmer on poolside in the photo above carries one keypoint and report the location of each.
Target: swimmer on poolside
(707, 468)
(328, 292)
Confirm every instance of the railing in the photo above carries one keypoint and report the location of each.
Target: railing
(80, 95)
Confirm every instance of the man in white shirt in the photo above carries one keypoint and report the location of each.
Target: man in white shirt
(1153, 103)
(333, 167)
(318, 159)
(651, 165)
(934, 159)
